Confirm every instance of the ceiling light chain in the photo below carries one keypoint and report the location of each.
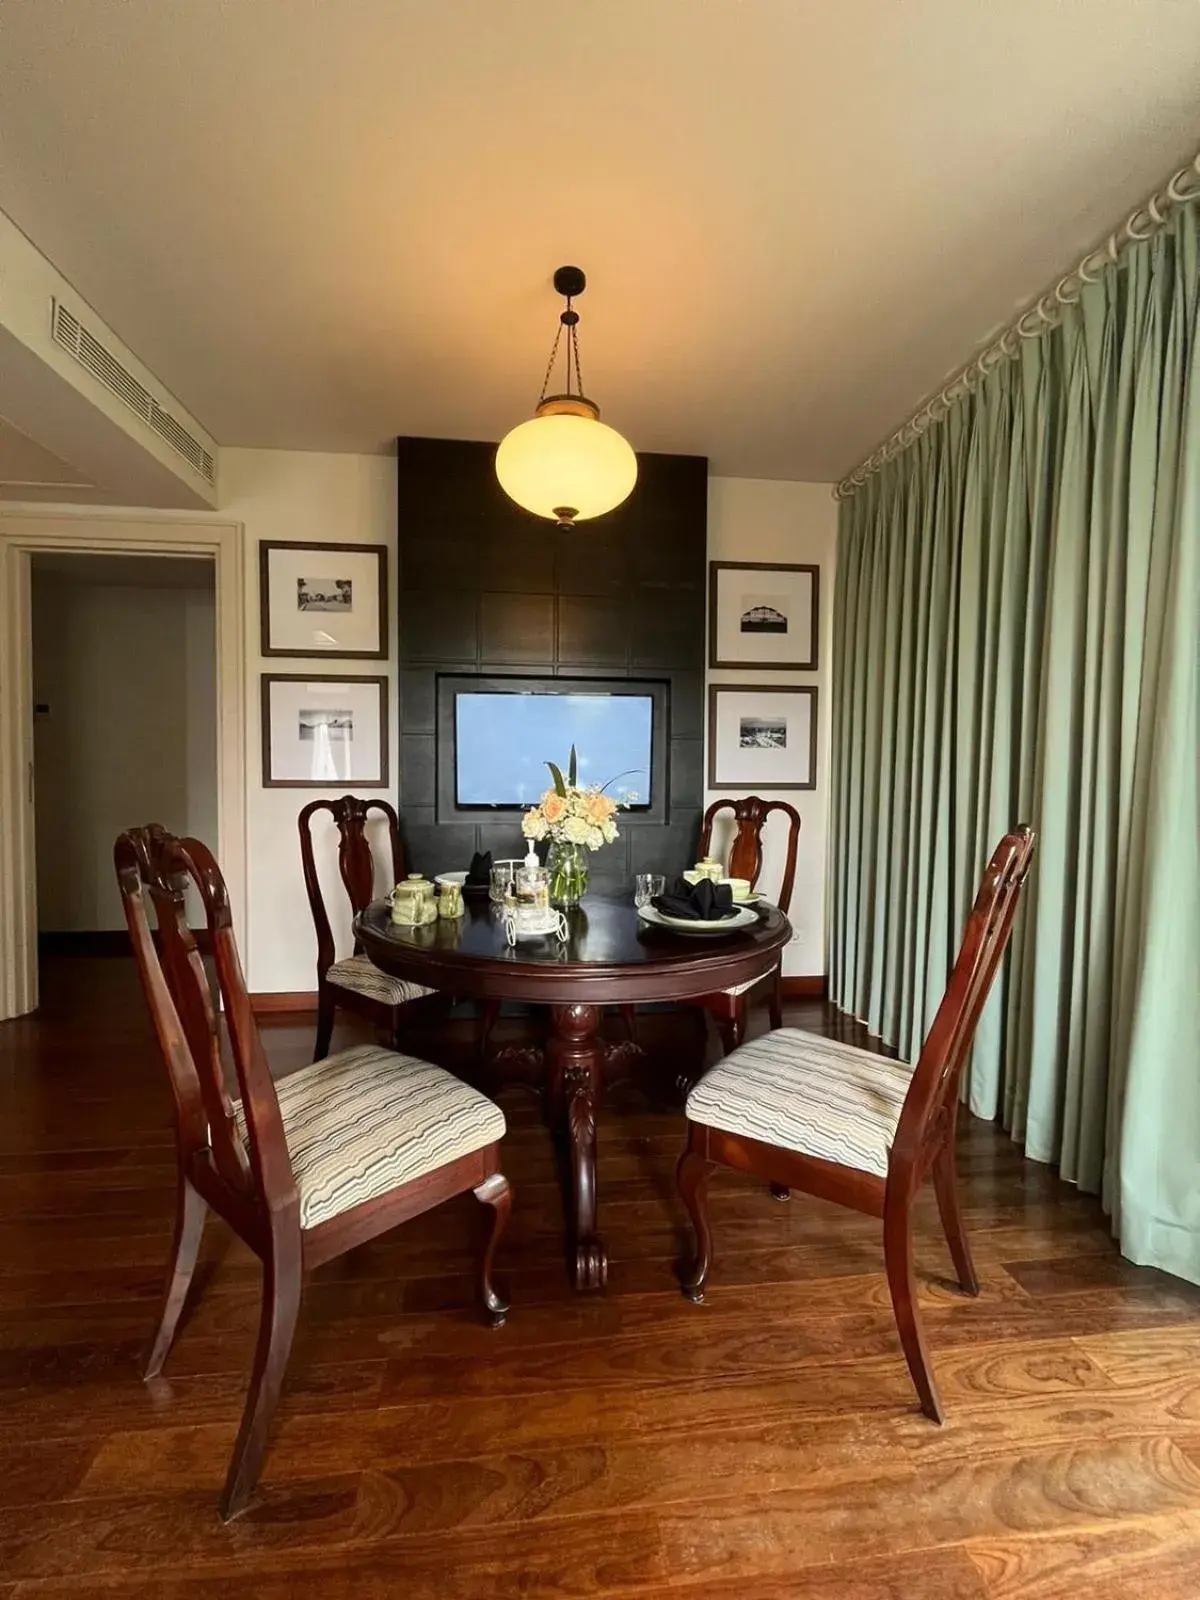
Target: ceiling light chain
(550, 363)
(569, 320)
(575, 347)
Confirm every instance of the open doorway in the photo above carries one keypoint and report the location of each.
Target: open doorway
(124, 674)
(25, 533)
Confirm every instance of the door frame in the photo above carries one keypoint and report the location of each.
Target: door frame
(92, 530)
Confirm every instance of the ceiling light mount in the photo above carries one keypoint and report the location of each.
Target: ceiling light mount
(564, 463)
(570, 282)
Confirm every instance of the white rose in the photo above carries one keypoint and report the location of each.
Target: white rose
(594, 839)
(533, 825)
(575, 830)
(609, 830)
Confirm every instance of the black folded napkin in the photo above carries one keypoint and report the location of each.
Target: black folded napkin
(696, 902)
(479, 873)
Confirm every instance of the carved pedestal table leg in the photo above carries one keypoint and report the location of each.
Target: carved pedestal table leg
(575, 1057)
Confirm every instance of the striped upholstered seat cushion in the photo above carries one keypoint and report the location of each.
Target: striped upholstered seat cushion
(364, 977)
(805, 1093)
(366, 1120)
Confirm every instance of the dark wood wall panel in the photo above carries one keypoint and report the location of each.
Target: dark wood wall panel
(485, 588)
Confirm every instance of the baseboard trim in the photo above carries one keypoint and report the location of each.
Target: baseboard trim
(104, 942)
(299, 1002)
(92, 942)
(811, 987)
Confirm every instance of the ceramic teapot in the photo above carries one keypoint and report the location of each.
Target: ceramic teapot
(414, 901)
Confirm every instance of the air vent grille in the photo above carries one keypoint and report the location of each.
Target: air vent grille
(70, 335)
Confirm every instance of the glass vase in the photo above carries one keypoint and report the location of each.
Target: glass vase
(567, 865)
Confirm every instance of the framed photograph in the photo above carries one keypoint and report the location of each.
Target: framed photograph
(763, 616)
(761, 736)
(323, 600)
(322, 732)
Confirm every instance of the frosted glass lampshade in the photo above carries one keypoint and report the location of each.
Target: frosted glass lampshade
(565, 464)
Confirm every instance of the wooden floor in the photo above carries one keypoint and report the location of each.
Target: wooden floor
(764, 1445)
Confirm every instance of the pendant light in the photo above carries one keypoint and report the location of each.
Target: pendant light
(564, 463)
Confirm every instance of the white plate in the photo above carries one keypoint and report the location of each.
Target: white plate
(743, 917)
(451, 877)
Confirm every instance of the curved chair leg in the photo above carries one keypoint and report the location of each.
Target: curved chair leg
(692, 1175)
(775, 998)
(190, 1215)
(780, 1191)
(897, 1254)
(326, 1006)
(281, 1304)
(496, 1192)
(945, 1184)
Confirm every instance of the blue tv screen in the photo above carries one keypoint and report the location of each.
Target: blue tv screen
(503, 741)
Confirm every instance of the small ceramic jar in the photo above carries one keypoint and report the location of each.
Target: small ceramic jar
(413, 902)
(709, 867)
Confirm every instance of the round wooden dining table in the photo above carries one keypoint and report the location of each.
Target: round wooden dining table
(610, 957)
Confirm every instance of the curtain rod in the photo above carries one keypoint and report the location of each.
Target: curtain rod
(1042, 314)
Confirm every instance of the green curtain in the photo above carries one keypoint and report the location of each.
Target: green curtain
(1017, 639)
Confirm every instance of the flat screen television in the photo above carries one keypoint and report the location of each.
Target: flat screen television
(501, 732)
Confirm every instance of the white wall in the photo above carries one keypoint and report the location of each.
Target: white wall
(757, 519)
(129, 674)
(332, 499)
(346, 498)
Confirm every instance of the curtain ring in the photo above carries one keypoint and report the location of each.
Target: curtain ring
(1131, 228)
(1154, 210)
(1027, 333)
(1060, 287)
(1084, 270)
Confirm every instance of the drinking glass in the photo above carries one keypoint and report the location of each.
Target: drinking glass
(503, 879)
(646, 885)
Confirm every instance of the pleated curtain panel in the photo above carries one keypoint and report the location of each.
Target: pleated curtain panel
(1017, 639)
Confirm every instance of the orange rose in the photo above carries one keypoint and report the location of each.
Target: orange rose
(553, 807)
(598, 809)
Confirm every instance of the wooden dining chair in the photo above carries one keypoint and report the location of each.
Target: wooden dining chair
(862, 1130)
(355, 983)
(728, 1007)
(302, 1171)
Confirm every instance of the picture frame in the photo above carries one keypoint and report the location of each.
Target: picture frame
(763, 614)
(323, 599)
(324, 731)
(762, 737)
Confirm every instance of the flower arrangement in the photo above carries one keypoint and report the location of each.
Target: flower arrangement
(574, 817)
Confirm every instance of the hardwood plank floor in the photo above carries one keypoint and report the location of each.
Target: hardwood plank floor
(764, 1445)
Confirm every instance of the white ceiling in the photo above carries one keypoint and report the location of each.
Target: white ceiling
(322, 224)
